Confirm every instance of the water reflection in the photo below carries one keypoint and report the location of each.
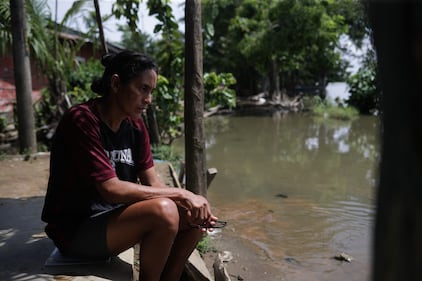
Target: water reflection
(299, 188)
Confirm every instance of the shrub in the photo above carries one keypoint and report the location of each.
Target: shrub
(217, 90)
(168, 108)
(364, 93)
(204, 246)
(79, 82)
(339, 111)
(166, 153)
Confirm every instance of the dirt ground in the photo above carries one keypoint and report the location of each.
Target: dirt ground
(22, 190)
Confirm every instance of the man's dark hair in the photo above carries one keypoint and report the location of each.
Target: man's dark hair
(126, 64)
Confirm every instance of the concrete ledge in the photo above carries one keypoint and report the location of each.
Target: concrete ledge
(115, 268)
(57, 259)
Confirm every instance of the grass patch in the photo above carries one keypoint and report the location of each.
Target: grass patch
(339, 111)
(205, 245)
(166, 153)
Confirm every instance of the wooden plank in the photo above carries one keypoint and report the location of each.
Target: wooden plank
(211, 173)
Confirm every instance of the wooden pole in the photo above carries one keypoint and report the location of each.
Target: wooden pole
(398, 228)
(154, 133)
(194, 100)
(100, 26)
(23, 82)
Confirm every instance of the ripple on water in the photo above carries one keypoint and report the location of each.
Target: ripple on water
(303, 231)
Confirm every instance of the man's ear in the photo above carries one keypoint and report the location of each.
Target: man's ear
(115, 83)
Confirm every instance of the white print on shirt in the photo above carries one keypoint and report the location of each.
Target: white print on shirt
(120, 156)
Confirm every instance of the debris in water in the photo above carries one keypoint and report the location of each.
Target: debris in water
(343, 257)
(292, 260)
(281, 195)
(225, 256)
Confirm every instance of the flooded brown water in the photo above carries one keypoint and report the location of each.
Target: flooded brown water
(300, 189)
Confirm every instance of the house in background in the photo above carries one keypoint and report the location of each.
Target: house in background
(7, 84)
(39, 81)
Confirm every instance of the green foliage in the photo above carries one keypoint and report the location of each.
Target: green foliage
(5, 26)
(301, 37)
(303, 40)
(164, 14)
(205, 245)
(169, 108)
(232, 31)
(161, 9)
(79, 85)
(42, 110)
(168, 100)
(136, 41)
(54, 58)
(355, 18)
(242, 39)
(168, 52)
(79, 81)
(323, 109)
(364, 93)
(217, 90)
(166, 153)
(127, 9)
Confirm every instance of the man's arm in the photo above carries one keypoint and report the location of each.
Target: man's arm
(117, 191)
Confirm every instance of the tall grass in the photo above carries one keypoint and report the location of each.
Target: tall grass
(166, 153)
(339, 110)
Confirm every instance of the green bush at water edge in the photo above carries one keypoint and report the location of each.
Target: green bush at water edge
(322, 108)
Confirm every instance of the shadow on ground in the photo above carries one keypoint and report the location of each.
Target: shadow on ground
(24, 247)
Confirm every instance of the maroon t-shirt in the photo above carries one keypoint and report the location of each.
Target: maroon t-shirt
(86, 151)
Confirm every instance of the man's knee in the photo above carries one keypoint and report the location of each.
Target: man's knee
(165, 212)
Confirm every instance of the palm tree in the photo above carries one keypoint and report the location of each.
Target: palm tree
(22, 71)
(56, 58)
(5, 26)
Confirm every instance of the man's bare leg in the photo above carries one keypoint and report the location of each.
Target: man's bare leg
(155, 223)
(184, 244)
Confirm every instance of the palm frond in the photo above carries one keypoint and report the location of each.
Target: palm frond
(76, 9)
(5, 26)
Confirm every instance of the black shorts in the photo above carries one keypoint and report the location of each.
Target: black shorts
(90, 239)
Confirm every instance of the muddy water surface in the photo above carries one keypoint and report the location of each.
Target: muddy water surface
(298, 188)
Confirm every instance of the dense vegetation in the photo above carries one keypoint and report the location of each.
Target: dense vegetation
(364, 87)
(271, 44)
(250, 47)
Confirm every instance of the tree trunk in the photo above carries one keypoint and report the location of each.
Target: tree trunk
(153, 126)
(322, 84)
(23, 82)
(194, 100)
(274, 80)
(398, 228)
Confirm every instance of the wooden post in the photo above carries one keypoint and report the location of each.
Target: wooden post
(211, 173)
(398, 228)
(154, 133)
(23, 82)
(100, 26)
(194, 100)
